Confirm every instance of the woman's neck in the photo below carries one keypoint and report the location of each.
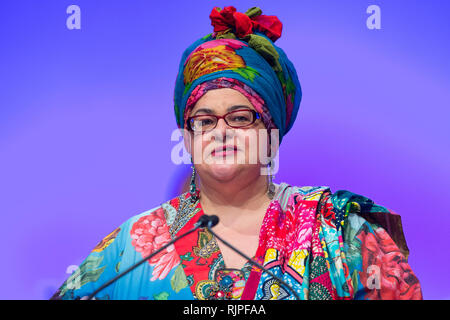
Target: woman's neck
(238, 204)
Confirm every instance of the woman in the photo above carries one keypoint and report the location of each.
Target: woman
(233, 85)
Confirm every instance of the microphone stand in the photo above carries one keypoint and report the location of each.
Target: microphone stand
(254, 263)
(204, 222)
(199, 224)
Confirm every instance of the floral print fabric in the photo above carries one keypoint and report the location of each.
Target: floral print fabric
(150, 233)
(254, 61)
(244, 89)
(318, 242)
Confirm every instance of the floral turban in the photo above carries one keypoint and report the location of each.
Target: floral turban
(241, 54)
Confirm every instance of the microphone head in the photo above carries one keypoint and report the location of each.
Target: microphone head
(213, 220)
(206, 221)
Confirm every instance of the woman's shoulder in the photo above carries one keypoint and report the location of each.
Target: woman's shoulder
(351, 210)
(340, 197)
(165, 214)
(285, 192)
(344, 201)
(130, 221)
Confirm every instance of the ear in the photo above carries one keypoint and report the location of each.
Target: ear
(274, 142)
(187, 139)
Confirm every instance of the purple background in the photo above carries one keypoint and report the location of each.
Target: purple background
(86, 117)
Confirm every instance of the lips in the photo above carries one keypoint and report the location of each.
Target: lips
(224, 149)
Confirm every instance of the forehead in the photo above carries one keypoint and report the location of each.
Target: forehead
(219, 100)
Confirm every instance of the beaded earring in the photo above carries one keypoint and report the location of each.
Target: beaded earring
(271, 187)
(193, 187)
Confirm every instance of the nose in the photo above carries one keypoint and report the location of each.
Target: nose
(223, 130)
(222, 125)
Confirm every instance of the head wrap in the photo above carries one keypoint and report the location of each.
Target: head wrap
(241, 54)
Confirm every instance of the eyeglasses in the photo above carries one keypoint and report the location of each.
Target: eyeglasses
(235, 119)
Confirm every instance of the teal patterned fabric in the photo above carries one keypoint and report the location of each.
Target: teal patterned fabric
(299, 242)
(253, 60)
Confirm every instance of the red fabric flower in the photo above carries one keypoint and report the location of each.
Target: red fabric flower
(150, 233)
(384, 265)
(243, 25)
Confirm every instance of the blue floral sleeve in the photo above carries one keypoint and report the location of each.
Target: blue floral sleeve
(101, 265)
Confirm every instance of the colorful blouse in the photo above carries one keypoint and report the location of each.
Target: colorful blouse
(324, 245)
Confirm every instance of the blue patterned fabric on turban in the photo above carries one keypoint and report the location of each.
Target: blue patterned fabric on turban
(242, 48)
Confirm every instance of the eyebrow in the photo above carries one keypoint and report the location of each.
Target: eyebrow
(232, 108)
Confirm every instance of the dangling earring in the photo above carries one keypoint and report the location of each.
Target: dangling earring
(271, 187)
(193, 187)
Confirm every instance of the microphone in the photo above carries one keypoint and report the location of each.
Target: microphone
(252, 262)
(203, 222)
(206, 221)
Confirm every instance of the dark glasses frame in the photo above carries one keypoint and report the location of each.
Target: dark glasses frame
(256, 116)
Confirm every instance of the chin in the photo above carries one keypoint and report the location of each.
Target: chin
(223, 172)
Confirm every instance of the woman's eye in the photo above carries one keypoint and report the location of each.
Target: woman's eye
(205, 122)
(240, 119)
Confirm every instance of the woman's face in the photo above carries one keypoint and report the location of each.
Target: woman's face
(241, 145)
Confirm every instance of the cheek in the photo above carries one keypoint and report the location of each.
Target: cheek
(201, 146)
(255, 144)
